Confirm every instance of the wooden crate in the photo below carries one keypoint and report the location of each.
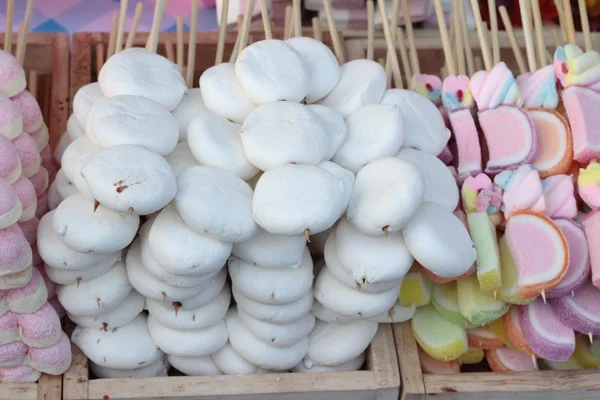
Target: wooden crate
(379, 381)
(48, 55)
(539, 385)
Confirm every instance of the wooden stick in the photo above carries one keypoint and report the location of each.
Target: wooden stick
(317, 29)
(222, 32)
(557, 41)
(246, 25)
(8, 26)
(494, 31)
(513, 40)
(32, 84)
(393, 25)
(481, 33)
(170, 50)
(297, 18)
(539, 32)
(335, 37)
(478, 63)
(121, 31)
(287, 22)
(189, 80)
(236, 46)
(452, 38)
(570, 28)
(370, 30)
(410, 36)
(264, 12)
(381, 61)
(180, 45)
(390, 44)
(22, 39)
(444, 35)
(401, 45)
(466, 40)
(585, 25)
(159, 10)
(112, 37)
(137, 16)
(99, 57)
(460, 50)
(562, 20)
(529, 48)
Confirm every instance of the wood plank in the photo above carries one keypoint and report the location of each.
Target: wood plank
(75, 379)
(59, 99)
(49, 387)
(18, 391)
(412, 387)
(81, 64)
(382, 361)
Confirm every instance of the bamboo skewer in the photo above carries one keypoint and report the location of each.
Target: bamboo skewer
(562, 20)
(585, 25)
(414, 57)
(234, 53)
(539, 32)
(22, 39)
(513, 40)
(246, 26)
(222, 32)
(170, 51)
(570, 28)
(112, 37)
(287, 23)
(390, 45)
(8, 26)
(370, 30)
(444, 35)
(400, 44)
(121, 29)
(393, 25)
(318, 35)
(159, 10)
(460, 51)
(180, 45)
(466, 40)
(297, 18)
(494, 31)
(529, 49)
(99, 57)
(485, 50)
(337, 44)
(137, 16)
(32, 84)
(264, 12)
(191, 65)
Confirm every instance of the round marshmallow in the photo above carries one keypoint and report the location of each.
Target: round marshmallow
(130, 307)
(156, 369)
(76, 155)
(194, 366)
(41, 136)
(213, 140)
(216, 201)
(223, 95)
(40, 328)
(10, 163)
(230, 362)
(130, 179)
(274, 313)
(396, 314)
(271, 251)
(353, 365)
(334, 125)
(30, 109)
(29, 229)
(74, 131)
(181, 159)
(10, 205)
(209, 294)
(12, 81)
(387, 192)
(12, 354)
(271, 70)
(64, 187)
(31, 162)
(82, 102)
(324, 314)
(190, 106)
(29, 297)
(16, 280)
(15, 251)
(140, 72)
(11, 120)
(20, 374)
(67, 277)
(278, 335)
(439, 241)
(40, 181)
(9, 325)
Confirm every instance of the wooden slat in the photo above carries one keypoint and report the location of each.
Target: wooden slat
(59, 98)
(18, 391)
(412, 387)
(75, 379)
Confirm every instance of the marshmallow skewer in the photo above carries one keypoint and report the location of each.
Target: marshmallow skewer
(460, 51)
(403, 54)
(570, 28)
(99, 56)
(513, 40)
(159, 10)
(562, 22)
(222, 33)
(393, 25)
(287, 24)
(170, 52)
(139, 8)
(8, 26)
(192, 45)
(539, 32)
(297, 11)
(246, 26)
(444, 34)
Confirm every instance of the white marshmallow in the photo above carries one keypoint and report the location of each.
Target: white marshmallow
(64, 187)
(223, 95)
(370, 261)
(317, 242)
(440, 185)
(387, 192)
(335, 344)
(321, 66)
(216, 201)
(62, 145)
(271, 70)
(271, 251)
(128, 347)
(292, 198)
(213, 140)
(343, 174)
(84, 229)
(143, 73)
(194, 366)
(151, 287)
(76, 155)
(423, 123)
(324, 314)
(190, 106)
(74, 130)
(97, 296)
(210, 293)
(439, 241)
(187, 343)
(122, 315)
(278, 335)
(199, 318)
(130, 179)
(83, 100)
(283, 132)
(395, 315)
(276, 314)
(54, 198)
(353, 365)
(343, 300)
(334, 125)
(67, 277)
(54, 252)
(272, 285)
(156, 369)
(362, 82)
(133, 120)
(232, 363)
(374, 131)
(260, 353)
(180, 250)
(181, 159)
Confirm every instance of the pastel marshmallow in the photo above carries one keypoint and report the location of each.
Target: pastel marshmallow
(9, 327)
(27, 197)
(29, 155)
(559, 192)
(40, 181)
(41, 328)
(41, 136)
(10, 205)
(579, 311)
(133, 304)
(13, 79)
(591, 225)
(11, 120)
(153, 370)
(335, 126)
(194, 366)
(30, 297)
(274, 313)
(21, 373)
(29, 229)
(15, 253)
(522, 190)
(581, 104)
(10, 162)
(588, 184)
(556, 142)
(16, 280)
(271, 251)
(30, 109)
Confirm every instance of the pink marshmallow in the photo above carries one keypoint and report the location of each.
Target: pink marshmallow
(29, 229)
(53, 360)
(40, 181)
(50, 286)
(13, 354)
(46, 155)
(522, 190)
(29, 298)
(582, 107)
(16, 280)
(30, 109)
(10, 206)
(591, 225)
(10, 163)
(11, 121)
(60, 310)
(560, 196)
(12, 75)
(15, 252)
(42, 205)
(467, 142)
(446, 156)
(28, 154)
(41, 328)
(26, 192)
(9, 328)
(22, 373)
(41, 136)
